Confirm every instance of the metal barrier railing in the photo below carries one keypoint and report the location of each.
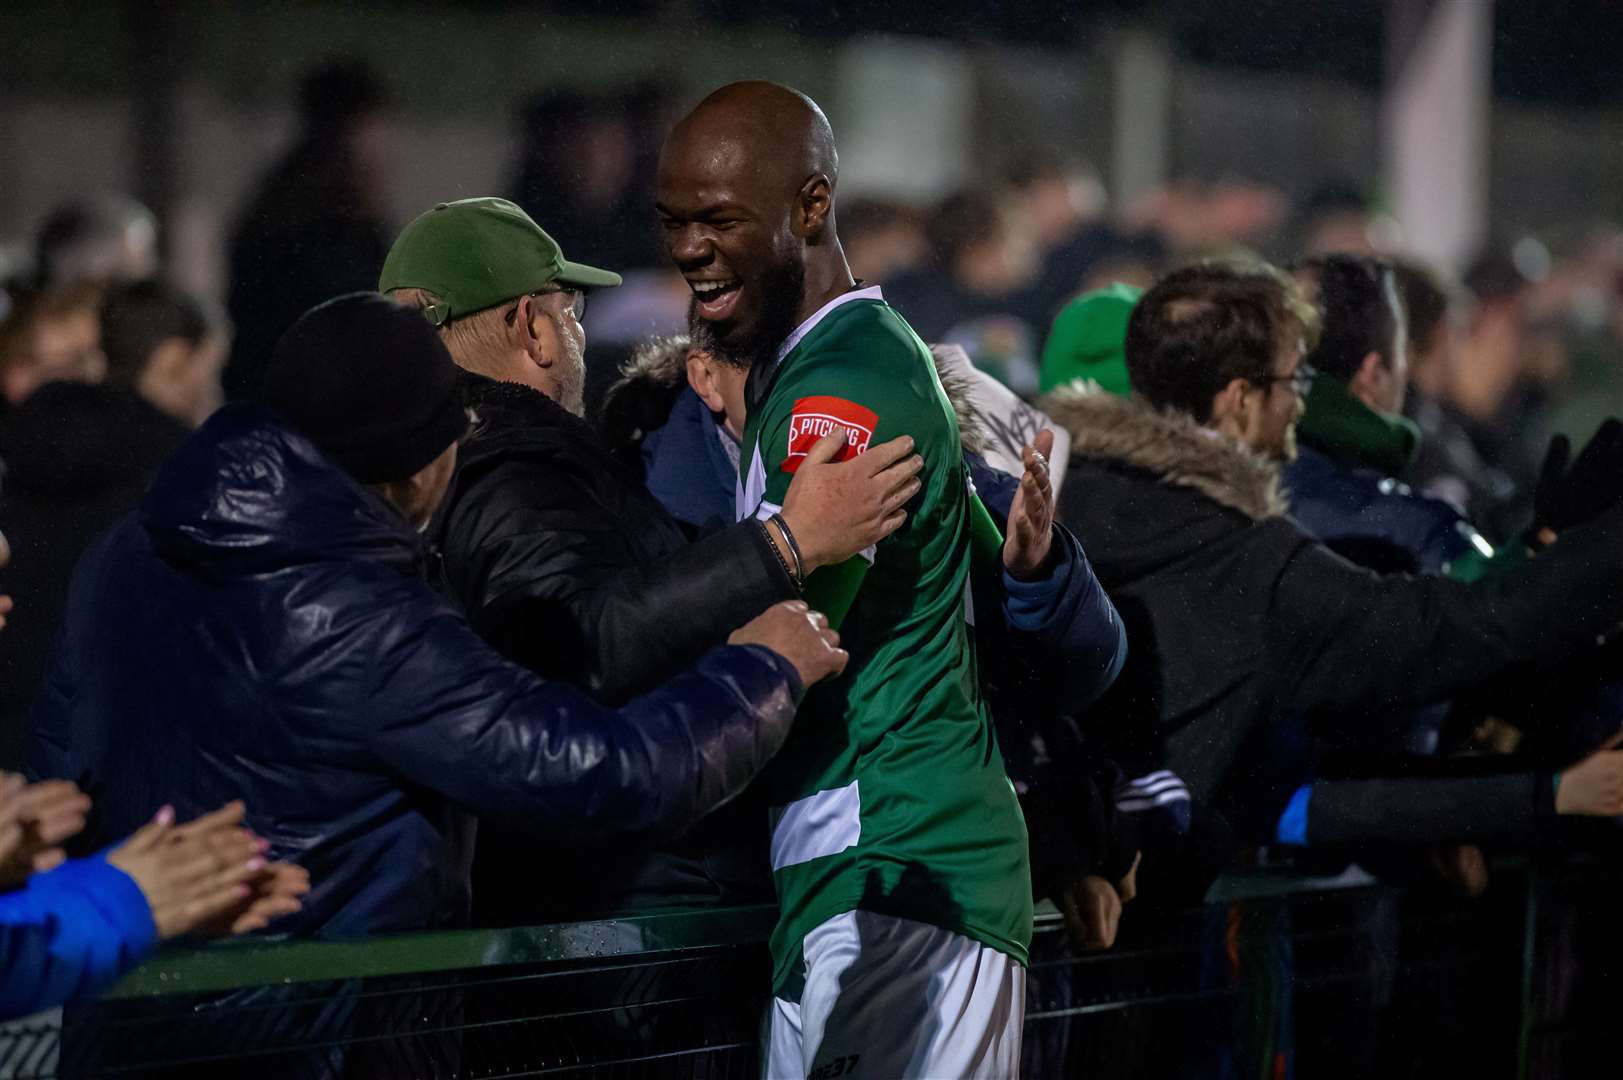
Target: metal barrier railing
(1274, 977)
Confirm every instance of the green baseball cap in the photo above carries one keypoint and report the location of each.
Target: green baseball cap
(1089, 341)
(477, 253)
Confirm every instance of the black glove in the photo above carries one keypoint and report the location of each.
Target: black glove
(1571, 496)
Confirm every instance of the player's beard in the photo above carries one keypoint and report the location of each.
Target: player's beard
(742, 345)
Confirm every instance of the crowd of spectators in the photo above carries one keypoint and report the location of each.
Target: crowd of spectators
(1321, 561)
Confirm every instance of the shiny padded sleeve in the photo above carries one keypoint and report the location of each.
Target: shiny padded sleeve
(544, 757)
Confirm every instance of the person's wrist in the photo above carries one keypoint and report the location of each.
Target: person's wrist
(797, 554)
(780, 551)
(1036, 568)
(795, 677)
(810, 557)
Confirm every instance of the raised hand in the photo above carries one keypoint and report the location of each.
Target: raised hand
(35, 819)
(836, 509)
(1031, 517)
(799, 635)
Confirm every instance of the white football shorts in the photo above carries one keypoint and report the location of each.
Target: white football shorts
(893, 999)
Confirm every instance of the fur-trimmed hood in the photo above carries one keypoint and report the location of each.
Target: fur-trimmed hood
(640, 400)
(1169, 445)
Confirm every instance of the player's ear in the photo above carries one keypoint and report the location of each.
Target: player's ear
(812, 208)
(702, 377)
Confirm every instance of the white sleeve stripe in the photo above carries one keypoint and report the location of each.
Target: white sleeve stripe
(1140, 787)
(1166, 798)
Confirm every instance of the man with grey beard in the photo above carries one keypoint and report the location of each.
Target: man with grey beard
(568, 566)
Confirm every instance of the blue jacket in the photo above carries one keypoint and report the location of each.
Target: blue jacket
(1370, 517)
(262, 629)
(688, 467)
(68, 933)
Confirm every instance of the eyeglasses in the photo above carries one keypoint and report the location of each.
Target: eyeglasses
(1301, 380)
(577, 302)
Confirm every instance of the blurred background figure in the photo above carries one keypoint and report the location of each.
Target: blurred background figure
(883, 238)
(316, 227)
(78, 457)
(166, 349)
(584, 169)
(1589, 286)
(1059, 198)
(1195, 218)
(107, 239)
(1488, 413)
(48, 336)
(1447, 465)
(970, 292)
(1081, 248)
(1339, 217)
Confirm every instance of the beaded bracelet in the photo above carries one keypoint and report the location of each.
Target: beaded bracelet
(788, 572)
(794, 548)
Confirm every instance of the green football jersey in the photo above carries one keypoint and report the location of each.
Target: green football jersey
(890, 794)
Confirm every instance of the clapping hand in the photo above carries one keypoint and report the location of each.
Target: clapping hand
(35, 819)
(1031, 517)
(208, 876)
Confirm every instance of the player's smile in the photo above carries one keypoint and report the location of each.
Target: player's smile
(715, 298)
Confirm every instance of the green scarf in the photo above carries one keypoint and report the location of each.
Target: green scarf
(1338, 424)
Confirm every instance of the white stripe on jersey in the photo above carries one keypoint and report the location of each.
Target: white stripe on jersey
(821, 824)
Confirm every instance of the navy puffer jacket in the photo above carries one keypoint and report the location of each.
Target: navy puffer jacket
(261, 629)
(1372, 519)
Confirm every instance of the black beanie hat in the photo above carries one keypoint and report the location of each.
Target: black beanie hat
(371, 384)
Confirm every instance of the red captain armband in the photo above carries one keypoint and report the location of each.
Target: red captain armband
(814, 417)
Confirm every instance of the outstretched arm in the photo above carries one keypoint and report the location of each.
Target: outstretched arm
(544, 757)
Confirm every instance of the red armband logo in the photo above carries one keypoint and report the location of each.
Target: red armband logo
(814, 417)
